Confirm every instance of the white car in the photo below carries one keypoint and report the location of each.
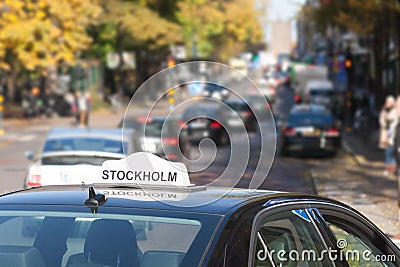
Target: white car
(72, 155)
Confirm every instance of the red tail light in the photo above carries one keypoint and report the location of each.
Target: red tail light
(290, 131)
(144, 120)
(332, 132)
(171, 156)
(215, 124)
(34, 180)
(246, 113)
(297, 99)
(173, 141)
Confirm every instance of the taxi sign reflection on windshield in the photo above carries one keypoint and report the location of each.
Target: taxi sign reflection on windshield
(144, 169)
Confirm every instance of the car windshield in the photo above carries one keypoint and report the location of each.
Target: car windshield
(310, 119)
(214, 87)
(84, 144)
(63, 238)
(321, 92)
(73, 160)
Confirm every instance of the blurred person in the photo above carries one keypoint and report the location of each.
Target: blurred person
(388, 121)
(88, 97)
(83, 108)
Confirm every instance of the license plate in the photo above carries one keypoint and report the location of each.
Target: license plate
(198, 124)
(315, 132)
(233, 122)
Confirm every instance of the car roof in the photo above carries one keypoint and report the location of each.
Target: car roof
(111, 133)
(309, 108)
(320, 84)
(221, 200)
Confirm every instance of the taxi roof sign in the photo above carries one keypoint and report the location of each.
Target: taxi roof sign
(143, 168)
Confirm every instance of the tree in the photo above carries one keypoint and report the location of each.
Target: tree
(35, 35)
(371, 18)
(220, 27)
(132, 26)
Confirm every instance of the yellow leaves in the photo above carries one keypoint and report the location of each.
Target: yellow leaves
(219, 23)
(40, 14)
(39, 33)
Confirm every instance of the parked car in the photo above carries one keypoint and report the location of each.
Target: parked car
(159, 135)
(310, 128)
(205, 120)
(71, 155)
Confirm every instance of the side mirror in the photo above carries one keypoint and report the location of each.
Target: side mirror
(30, 155)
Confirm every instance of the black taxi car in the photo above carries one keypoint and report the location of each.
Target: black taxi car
(170, 222)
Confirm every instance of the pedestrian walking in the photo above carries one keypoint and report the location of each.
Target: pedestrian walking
(388, 121)
(83, 104)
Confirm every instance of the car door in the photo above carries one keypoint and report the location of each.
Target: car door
(288, 236)
(318, 234)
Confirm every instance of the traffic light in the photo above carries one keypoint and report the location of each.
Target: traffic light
(348, 63)
(349, 66)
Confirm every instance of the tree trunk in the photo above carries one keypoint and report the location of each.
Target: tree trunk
(11, 78)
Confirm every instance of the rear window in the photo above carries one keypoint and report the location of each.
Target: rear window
(84, 144)
(238, 106)
(74, 160)
(310, 119)
(321, 92)
(65, 238)
(153, 128)
(200, 111)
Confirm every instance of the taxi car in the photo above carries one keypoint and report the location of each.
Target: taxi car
(68, 151)
(136, 215)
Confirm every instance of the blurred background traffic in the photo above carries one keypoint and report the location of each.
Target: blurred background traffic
(318, 73)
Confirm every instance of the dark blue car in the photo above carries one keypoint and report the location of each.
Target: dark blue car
(109, 225)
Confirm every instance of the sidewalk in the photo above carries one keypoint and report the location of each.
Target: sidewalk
(100, 118)
(360, 182)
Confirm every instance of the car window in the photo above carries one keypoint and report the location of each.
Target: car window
(63, 238)
(84, 144)
(360, 245)
(154, 128)
(321, 92)
(73, 160)
(289, 239)
(310, 118)
(200, 111)
(238, 106)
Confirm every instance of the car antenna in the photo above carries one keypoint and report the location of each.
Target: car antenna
(94, 200)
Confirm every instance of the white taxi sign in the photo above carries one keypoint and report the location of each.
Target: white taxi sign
(144, 169)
